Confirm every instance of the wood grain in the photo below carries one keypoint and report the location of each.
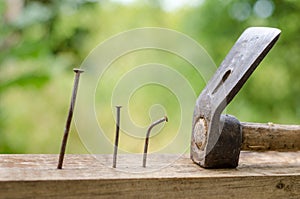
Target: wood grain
(276, 137)
(259, 175)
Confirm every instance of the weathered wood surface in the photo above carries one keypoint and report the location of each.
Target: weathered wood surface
(259, 175)
(276, 137)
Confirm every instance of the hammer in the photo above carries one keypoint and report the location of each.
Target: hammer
(218, 139)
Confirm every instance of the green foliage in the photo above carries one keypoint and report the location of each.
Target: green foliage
(48, 38)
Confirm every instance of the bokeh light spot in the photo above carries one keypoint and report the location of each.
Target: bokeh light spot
(264, 8)
(240, 11)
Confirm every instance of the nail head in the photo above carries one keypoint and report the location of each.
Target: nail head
(78, 70)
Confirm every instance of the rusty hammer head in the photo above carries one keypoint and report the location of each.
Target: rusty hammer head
(216, 139)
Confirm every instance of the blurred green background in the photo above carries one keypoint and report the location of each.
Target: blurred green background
(41, 41)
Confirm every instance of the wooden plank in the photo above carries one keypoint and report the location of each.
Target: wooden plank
(259, 175)
(276, 137)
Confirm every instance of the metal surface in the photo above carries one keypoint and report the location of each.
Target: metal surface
(226, 151)
(69, 119)
(117, 136)
(241, 61)
(147, 137)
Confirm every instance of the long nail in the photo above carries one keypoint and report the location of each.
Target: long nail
(69, 119)
(117, 136)
(147, 137)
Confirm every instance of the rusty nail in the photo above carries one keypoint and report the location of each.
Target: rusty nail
(147, 137)
(117, 136)
(69, 119)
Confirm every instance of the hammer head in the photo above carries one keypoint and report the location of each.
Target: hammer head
(224, 150)
(216, 139)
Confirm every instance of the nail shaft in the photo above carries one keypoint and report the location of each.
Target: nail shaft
(147, 137)
(117, 137)
(69, 119)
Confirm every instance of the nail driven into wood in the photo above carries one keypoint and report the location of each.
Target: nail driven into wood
(164, 119)
(117, 136)
(69, 119)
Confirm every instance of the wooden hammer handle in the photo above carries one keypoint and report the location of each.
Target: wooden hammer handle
(270, 137)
